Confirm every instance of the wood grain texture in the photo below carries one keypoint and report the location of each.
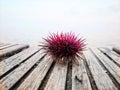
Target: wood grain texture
(102, 80)
(112, 67)
(29, 70)
(9, 80)
(115, 57)
(11, 50)
(79, 70)
(11, 62)
(57, 79)
(33, 81)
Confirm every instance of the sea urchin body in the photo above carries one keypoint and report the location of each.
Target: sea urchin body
(64, 46)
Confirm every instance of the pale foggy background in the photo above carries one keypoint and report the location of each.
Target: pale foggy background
(27, 21)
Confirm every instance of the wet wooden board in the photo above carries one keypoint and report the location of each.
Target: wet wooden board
(11, 50)
(31, 69)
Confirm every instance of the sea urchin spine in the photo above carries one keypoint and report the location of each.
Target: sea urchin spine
(64, 46)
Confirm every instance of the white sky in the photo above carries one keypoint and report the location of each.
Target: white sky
(27, 21)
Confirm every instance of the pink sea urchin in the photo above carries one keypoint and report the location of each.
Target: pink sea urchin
(64, 46)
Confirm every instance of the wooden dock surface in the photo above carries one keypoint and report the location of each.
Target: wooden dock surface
(23, 68)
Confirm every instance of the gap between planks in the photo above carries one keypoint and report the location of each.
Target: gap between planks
(12, 50)
(111, 68)
(15, 60)
(102, 80)
(57, 79)
(9, 80)
(79, 71)
(112, 55)
(34, 80)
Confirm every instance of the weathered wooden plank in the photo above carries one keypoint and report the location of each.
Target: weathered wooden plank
(117, 49)
(107, 50)
(3, 44)
(79, 70)
(112, 67)
(7, 46)
(112, 55)
(57, 79)
(8, 81)
(33, 81)
(15, 60)
(11, 50)
(102, 80)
